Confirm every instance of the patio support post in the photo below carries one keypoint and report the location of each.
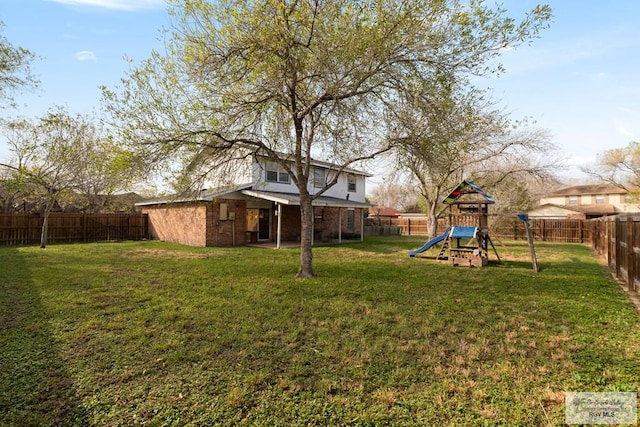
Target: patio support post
(279, 232)
(339, 225)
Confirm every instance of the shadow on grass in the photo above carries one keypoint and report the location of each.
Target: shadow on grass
(35, 388)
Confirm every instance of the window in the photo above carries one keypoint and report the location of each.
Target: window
(573, 200)
(351, 179)
(276, 173)
(319, 179)
(351, 221)
(600, 199)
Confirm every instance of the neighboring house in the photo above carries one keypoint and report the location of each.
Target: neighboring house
(266, 208)
(383, 213)
(585, 202)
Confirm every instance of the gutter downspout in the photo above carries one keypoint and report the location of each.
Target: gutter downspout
(339, 225)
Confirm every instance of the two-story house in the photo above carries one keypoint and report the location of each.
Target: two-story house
(585, 202)
(262, 206)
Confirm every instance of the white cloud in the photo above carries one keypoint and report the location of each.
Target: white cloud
(115, 4)
(86, 56)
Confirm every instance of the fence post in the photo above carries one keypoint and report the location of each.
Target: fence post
(630, 254)
(610, 238)
(408, 226)
(580, 234)
(618, 248)
(28, 237)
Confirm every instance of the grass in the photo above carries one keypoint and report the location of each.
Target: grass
(150, 333)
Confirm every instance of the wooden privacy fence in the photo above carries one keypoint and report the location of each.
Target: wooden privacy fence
(24, 229)
(617, 239)
(500, 226)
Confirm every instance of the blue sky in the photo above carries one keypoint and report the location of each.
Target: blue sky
(580, 80)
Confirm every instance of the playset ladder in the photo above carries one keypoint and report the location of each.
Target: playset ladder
(443, 249)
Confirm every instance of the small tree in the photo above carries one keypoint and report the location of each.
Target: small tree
(618, 166)
(60, 155)
(395, 194)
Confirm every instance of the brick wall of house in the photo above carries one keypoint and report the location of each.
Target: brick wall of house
(229, 232)
(332, 219)
(290, 224)
(326, 223)
(179, 223)
(200, 224)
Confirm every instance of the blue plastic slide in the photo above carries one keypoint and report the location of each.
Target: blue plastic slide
(430, 243)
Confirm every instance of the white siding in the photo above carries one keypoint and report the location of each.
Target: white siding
(560, 200)
(237, 172)
(340, 190)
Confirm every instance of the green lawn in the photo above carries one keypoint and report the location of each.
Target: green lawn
(149, 333)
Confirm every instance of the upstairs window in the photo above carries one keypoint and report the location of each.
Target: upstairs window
(276, 173)
(351, 180)
(573, 200)
(600, 199)
(319, 177)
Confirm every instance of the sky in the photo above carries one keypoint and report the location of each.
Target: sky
(580, 80)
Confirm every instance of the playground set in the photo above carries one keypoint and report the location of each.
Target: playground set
(467, 243)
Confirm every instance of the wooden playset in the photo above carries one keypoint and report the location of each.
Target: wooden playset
(466, 241)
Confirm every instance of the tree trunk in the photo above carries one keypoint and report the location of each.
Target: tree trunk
(45, 223)
(45, 229)
(432, 220)
(306, 236)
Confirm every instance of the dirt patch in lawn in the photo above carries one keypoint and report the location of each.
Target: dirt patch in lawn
(164, 253)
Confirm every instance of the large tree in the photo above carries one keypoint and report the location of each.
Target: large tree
(294, 79)
(15, 71)
(450, 131)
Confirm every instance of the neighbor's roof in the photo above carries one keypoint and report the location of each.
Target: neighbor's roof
(585, 209)
(596, 209)
(578, 190)
(467, 187)
(383, 211)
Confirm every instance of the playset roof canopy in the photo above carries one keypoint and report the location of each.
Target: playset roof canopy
(467, 187)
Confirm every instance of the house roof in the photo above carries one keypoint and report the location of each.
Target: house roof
(578, 190)
(383, 211)
(584, 209)
(294, 199)
(247, 190)
(596, 209)
(203, 196)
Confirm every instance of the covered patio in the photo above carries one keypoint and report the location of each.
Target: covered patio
(328, 215)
